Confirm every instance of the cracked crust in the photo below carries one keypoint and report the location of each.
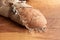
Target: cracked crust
(32, 19)
(26, 15)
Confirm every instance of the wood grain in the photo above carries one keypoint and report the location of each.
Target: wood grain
(10, 30)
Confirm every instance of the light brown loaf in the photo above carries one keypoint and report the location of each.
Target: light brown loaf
(26, 15)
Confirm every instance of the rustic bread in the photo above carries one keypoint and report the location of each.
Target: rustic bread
(24, 14)
(31, 18)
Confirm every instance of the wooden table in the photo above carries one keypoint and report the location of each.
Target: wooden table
(10, 30)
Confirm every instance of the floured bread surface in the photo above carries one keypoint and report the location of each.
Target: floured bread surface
(31, 18)
(26, 15)
(4, 8)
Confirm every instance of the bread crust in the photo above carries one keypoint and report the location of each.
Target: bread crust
(26, 15)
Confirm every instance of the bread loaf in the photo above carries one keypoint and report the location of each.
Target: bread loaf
(26, 15)
(31, 18)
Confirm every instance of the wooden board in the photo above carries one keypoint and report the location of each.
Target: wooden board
(10, 30)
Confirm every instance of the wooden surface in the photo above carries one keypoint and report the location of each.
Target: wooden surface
(10, 30)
